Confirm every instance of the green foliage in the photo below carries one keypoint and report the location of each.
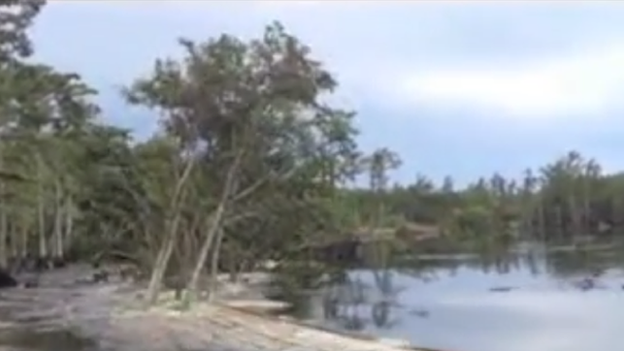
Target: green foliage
(248, 148)
(569, 199)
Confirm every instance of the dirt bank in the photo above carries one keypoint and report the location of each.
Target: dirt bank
(76, 317)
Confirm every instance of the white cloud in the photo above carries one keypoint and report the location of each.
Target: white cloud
(391, 55)
(588, 82)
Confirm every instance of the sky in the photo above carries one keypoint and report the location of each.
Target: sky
(455, 88)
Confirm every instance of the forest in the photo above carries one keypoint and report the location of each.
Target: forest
(250, 162)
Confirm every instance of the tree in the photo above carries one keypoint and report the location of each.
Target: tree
(248, 116)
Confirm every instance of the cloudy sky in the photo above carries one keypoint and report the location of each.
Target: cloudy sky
(455, 88)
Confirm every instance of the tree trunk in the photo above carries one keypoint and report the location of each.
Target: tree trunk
(69, 226)
(587, 215)
(162, 260)
(58, 220)
(43, 249)
(575, 218)
(13, 240)
(24, 236)
(541, 220)
(215, 225)
(214, 265)
(168, 244)
(3, 219)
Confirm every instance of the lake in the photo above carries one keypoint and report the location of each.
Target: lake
(447, 303)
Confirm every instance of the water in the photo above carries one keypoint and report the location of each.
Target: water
(448, 304)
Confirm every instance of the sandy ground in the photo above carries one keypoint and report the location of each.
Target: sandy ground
(65, 315)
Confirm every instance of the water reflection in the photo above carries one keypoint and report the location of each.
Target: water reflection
(451, 304)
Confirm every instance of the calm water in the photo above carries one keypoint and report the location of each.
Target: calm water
(448, 305)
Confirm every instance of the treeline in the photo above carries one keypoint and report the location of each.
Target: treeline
(570, 199)
(250, 163)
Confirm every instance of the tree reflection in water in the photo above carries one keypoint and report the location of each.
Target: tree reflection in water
(368, 298)
(342, 301)
(354, 304)
(387, 292)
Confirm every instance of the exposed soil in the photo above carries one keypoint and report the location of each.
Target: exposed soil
(64, 314)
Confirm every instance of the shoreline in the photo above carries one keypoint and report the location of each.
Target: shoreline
(110, 316)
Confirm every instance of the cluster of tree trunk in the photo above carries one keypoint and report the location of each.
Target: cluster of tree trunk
(243, 169)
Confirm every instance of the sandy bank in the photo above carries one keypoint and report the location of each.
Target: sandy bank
(219, 325)
(107, 316)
